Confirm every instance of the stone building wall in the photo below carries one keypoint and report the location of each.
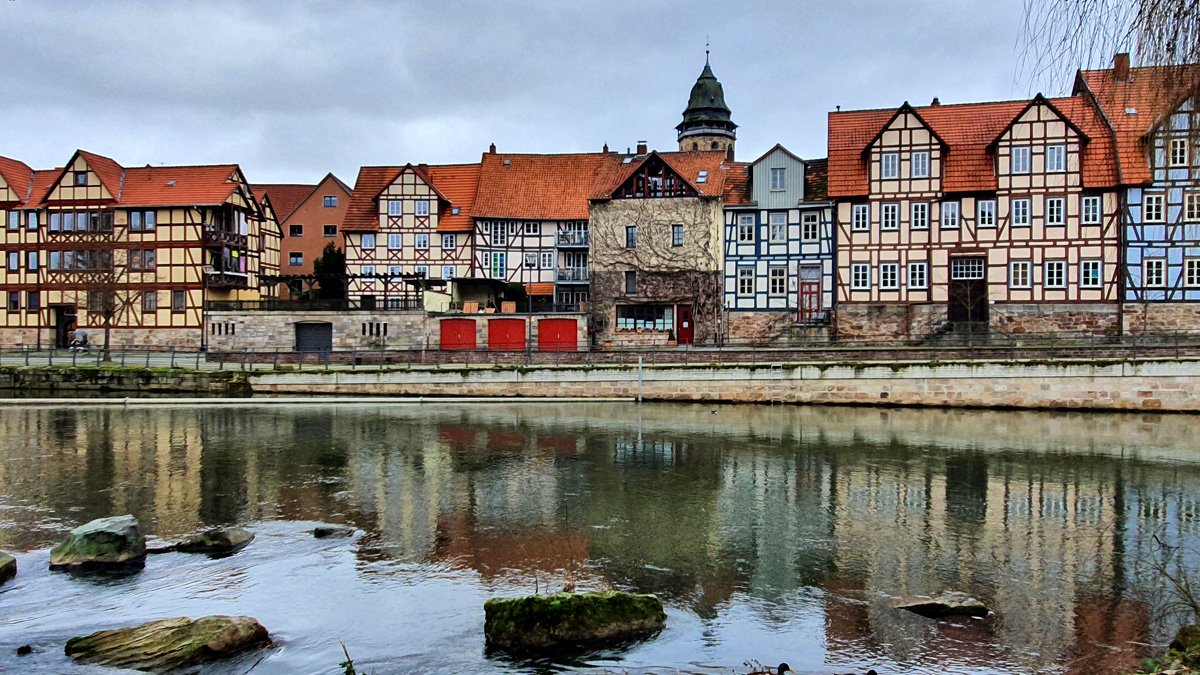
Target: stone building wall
(1092, 319)
(759, 326)
(1161, 317)
(145, 338)
(899, 321)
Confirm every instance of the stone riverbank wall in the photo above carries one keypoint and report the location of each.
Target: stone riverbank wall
(1143, 384)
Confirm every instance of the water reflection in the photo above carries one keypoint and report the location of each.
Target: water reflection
(759, 526)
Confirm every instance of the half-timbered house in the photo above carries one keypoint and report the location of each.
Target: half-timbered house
(1001, 215)
(136, 250)
(778, 262)
(408, 235)
(1155, 120)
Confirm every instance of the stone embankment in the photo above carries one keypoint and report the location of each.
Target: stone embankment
(1161, 384)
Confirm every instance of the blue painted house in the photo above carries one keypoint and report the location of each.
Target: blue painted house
(778, 246)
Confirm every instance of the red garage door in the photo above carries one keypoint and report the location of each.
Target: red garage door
(506, 335)
(458, 334)
(558, 335)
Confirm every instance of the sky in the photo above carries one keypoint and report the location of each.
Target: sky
(293, 90)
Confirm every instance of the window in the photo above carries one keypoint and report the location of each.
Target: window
(630, 282)
(14, 219)
(512, 229)
(1054, 274)
(745, 233)
(547, 260)
(14, 301)
(533, 229)
(368, 271)
(950, 215)
(499, 235)
(918, 275)
(701, 177)
(986, 213)
(1179, 152)
(14, 261)
(295, 259)
(531, 261)
(100, 301)
(295, 230)
(920, 217)
(395, 241)
(1020, 212)
(890, 165)
(395, 207)
(395, 270)
(141, 221)
(149, 302)
(777, 281)
(31, 221)
(330, 230)
(33, 301)
(499, 268)
(645, 317)
(448, 272)
(422, 207)
(745, 281)
(422, 271)
(330, 201)
(1191, 271)
(810, 227)
(919, 167)
(55, 221)
(178, 302)
(1154, 209)
(143, 259)
(422, 241)
(454, 210)
(631, 236)
(860, 276)
(1018, 274)
(889, 276)
(1091, 210)
(778, 179)
(860, 217)
(1191, 203)
(449, 241)
(677, 235)
(1019, 159)
(1089, 274)
(81, 178)
(1155, 272)
(31, 261)
(778, 229)
(1056, 211)
(1056, 158)
(368, 241)
(891, 217)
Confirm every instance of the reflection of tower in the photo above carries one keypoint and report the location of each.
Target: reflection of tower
(706, 123)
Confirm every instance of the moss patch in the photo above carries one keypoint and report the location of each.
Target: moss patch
(566, 619)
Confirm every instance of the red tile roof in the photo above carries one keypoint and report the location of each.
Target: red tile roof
(687, 164)
(816, 180)
(737, 184)
(285, 197)
(537, 187)
(106, 169)
(456, 183)
(192, 185)
(18, 175)
(1135, 106)
(967, 129)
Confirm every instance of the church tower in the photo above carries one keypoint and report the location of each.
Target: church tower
(706, 123)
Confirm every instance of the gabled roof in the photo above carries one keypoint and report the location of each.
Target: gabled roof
(453, 183)
(1136, 106)
(19, 177)
(180, 185)
(106, 169)
(1038, 100)
(687, 165)
(967, 130)
(904, 109)
(537, 187)
(285, 197)
(778, 146)
(458, 182)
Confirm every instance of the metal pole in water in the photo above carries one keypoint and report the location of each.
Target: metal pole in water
(639, 379)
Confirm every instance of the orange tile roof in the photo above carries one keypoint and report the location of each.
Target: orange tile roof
(456, 183)
(537, 187)
(42, 181)
(967, 129)
(18, 175)
(1151, 92)
(193, 185)
(106, 169)
(539, 289)
(687, 164)
(816, 180)
(737, 184)
(285, 197)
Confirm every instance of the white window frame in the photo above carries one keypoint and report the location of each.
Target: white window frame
(918, 214)
(889, 166)
(745, 228)
(421, 207)
(1177, 152)
(1085, 279)
(985, 213)
(860, 276)
(1158, 209)
(745, 282)
(1056, 158)
(395, 270)
(808, 220)
(1052, 269)
(1191, 272)
(889, 212)
(547, 260)
(1022, 279)
(1056, 211)
(395, 241)
(421, 241)
(1092, 210)
(449, 272)
(860, 217)
(31, 261)
(919, 164)
(533, 229)
(1159, 265)
(778, 179)
(1020, 159)
(777, 275)
(1191, 206)
(920, 270)
(367, 241)
(889, 276)
(780, 221)
(500, 235)
(499, 265)
(950, 215)
(395, 207)
(449, 242)
(1023, 212)
(422, 271)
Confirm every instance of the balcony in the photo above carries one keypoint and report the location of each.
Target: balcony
(220, 238)
(572, 238)
(222, 279)
(573, 274)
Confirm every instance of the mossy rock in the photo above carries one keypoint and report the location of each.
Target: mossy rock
(571, 619)
(169, 644)
(8, 567)
(1186, 640)
(104, 543)
(217, 541)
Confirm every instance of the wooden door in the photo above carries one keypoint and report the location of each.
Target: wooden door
(558, 335)
(64, 318)
(458, 334)
(810, 294)
(684, 328)
(968, 290)
(506, 335)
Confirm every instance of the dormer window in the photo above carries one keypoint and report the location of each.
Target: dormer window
(778, 179)
(920, 165)
(703, 176)
(81, 178)
(454, 210)
(890, 166)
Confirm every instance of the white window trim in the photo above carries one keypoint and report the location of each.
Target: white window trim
(1091, 199)
(395, 207)
(1099, 277)
(753, 282)
(1062, 149)
(742, 222)
(782, 172)
(421, 207)
(1186, 261)
(883, 224)
(1012, 212)
(895, 285)
(1062, 211)
(1012, 266)
(956, 208)
(925, 166)
(979, 212)
(1162, 208)
(865, 225)
(805, 218)
(912, 215)
(770, 281)
(1171, 152)
(883, 166)
(924, 276)
(1046, 273)
(419, 243)
(1027, 151)
(1146, 272)
(854, 285)
(771, 228)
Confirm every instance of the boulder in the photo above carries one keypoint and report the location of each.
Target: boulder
(950, 603)
(217, 541)
(103, 543)
(8, 567)
(160, 646)
(570, 619)
(333, 531)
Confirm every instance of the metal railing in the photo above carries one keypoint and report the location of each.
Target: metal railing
(571, 238)
(316, 305)
(572, 274)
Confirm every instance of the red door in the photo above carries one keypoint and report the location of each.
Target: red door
(558, 335)
(458, 334)
(683, 325)
(506, 335)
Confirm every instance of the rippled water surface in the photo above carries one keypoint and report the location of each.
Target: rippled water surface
(771, 533)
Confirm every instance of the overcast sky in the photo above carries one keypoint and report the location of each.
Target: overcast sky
(292, 90)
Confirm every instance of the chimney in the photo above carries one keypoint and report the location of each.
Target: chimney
(641, 148)
(935, 101)
(1121, 67)
(492, 149)
(729, 154)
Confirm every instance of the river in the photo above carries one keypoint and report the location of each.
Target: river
(771, 533)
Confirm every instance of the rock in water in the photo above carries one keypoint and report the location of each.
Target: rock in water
(951, 603)
(221, 540)
(332, 531)
(107, 542)
(566, 619)
(8, 567)
(164, 645)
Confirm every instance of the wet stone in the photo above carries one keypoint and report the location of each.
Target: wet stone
(104, 543)
(169, 644)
